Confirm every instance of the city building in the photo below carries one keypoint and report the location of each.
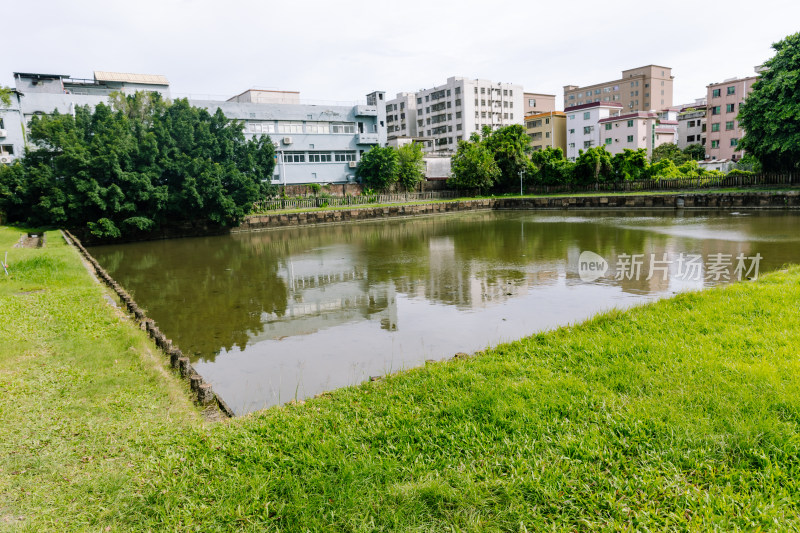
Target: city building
(582, 125)
(452, 112)
(724, 101)
(314, 143)
(42, 94)
(401, 116)
(640, 89)
(634, 131)
(547, 130)
(539, 103)
(692, 124)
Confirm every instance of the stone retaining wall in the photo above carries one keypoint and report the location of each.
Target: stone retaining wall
(746, 200)
(204, 395)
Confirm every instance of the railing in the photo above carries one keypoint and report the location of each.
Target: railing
(708, 182)
(344, 201)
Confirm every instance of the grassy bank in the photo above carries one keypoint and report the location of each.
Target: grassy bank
(554, 195)
(681, 414)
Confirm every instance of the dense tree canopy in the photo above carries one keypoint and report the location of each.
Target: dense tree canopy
(411, 168)
(474, 166)
(770, 116)
(511, 148)
(378, 168)
(134, 166)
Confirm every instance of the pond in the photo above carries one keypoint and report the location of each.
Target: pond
(272, 316)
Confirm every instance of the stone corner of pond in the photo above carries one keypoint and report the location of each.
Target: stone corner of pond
(203, 393)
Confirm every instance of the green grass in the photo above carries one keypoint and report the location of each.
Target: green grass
(554, 195)
(679, 415)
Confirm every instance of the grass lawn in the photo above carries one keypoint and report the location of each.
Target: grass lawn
(554, 195)
(682, 414)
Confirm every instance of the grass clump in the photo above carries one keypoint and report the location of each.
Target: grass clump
(678, 415)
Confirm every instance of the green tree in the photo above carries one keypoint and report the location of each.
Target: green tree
(770, 116)
(5, 96)
(630, 164)
(551, 167)
(695, 151)
(411, 170)
(379, 167)
(473, 166)
(511, 147)
(593, 165)
(669, 151)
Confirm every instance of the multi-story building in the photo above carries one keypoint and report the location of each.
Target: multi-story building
(314, 143)
(639, 89)
(692, 124)
(539, 103)
(401, 116)
(582, 125)
(634, 131)
(452, 112)
(724, 101)
(547, 130)
(41, 94)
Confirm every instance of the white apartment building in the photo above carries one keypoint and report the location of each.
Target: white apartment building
(692, 127)
(633, 131)
(583, 130)
(452, 112)
(401, 116)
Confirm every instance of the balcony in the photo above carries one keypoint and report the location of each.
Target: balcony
(367, 138)
(366, 111)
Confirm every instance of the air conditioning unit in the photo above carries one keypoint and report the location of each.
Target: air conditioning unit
(3, 133)
(5, 159)
(353, 164)
(276, 144)
(287, 140)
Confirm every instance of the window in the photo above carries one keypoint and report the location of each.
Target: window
(715, 93)
(729, 125)
(343, 127)
(587, 144)
(587, 115)
(483, 90)
(343, 157)
(608, 127)
(547, 135)
(294, 157)
(458, 127)
(714, 144)
(715, 110)
(572, 145)
(458, 90)
(458, 103)
(318, 127)
(630, 138)
(608, 140)
(690, 138)
(630, 123)
(257, 127)
(419, 100)
(691, 123)
(458, 114)
(572, 132)
(290, 127)
(572, 97)
(547, 121)
(571, 117)
(319, 157)
(734, 142)
(531, 102)
(588, 129)
(715, 126)
(731, 90)
(730, 108)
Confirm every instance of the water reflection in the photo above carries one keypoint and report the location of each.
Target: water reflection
(275, 315)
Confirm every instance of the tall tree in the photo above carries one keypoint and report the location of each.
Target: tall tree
(669, 151)
(378, 168)
(770, 115)
(411, 169)
(552, 168)
(473, 166)
(5, 96)
(593, 164)
(511, 148)
(630, 164)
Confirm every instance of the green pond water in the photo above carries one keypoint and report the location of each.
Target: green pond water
(272, 316)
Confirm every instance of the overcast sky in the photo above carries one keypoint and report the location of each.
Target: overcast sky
(339, 50)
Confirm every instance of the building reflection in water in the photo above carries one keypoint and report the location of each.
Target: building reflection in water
(274, 315)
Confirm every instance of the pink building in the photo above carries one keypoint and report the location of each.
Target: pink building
(723, 132)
